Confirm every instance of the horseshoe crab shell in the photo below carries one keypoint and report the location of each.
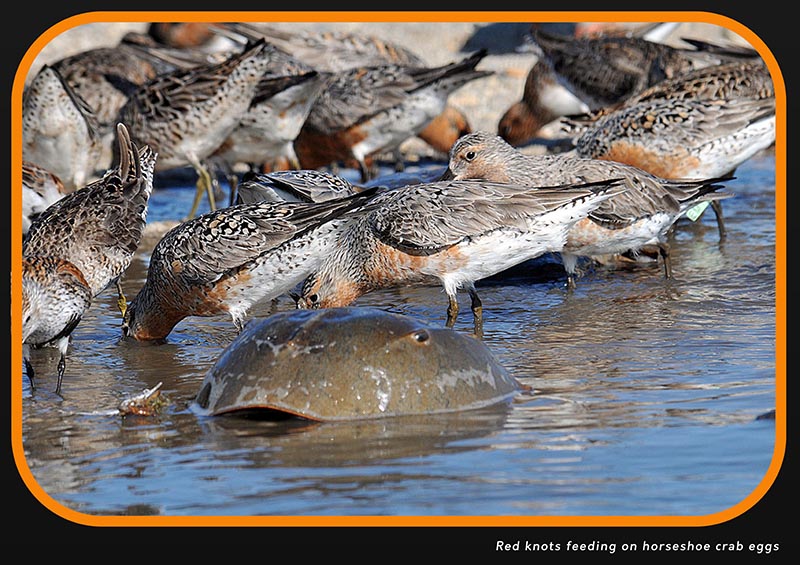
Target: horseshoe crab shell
(352, 363)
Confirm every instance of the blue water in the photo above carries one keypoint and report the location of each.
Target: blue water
(645, 402)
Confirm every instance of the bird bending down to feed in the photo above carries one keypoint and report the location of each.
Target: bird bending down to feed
(638, 217)
(55, 296)
(454, 233)
(226, 261)
(98, 227)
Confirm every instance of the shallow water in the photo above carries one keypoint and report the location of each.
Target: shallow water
(645, 400)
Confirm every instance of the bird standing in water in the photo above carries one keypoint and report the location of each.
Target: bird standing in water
(98, 227)
(55, 295)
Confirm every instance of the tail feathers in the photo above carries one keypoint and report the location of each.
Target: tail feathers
(708, 191)
(270, 86)
(426, 76)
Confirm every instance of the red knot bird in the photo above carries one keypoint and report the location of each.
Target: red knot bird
(183, 35)
(225, 261)
(371, 110)
(40, 189)
(445, 129)
(683, 139)
(453, 233)
(544, 100)
(639, 217)
(98, 227)
(702, 124)
(186, 114)
(264, 137)
(294, 186)
(59, 130)
(331, 51)
(266, 132)
(603, 71)
(749, 79)
(55, 296)
(100, 76)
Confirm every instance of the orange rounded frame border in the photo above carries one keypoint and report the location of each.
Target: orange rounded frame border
(410, 16)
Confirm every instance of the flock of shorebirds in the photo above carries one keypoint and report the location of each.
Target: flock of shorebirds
(660, 132)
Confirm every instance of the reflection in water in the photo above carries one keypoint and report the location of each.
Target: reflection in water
(645, 399)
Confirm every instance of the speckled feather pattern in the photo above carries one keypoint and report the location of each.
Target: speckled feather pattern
(55, 297)
(452, 232)
(332, 51)
(88, 72)
(639, 216)
(230, 259)
(604, 71)
(98, 228)
(305, 185)
(749, 80)
(682, 138)
(188, 113)
(59, 129)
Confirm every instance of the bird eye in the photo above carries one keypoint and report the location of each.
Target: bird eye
(470, 155)
(421, 336)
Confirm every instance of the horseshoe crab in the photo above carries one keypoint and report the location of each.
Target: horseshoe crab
(352, 363)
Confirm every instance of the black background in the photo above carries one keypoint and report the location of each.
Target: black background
(31, 524)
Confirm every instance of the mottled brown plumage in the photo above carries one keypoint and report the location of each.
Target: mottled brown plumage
(98, 228)
(226, 261)
(185, 115)
(453, 233)
(55, 295)
(59, 129)
(629, 221)
(368, 110)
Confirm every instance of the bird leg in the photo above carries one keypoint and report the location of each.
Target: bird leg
(663, 250)
(570, 282)
(717, 207)
(399, 161)
(122, 302)
(204, 182)
(29, 371)
(61, 366)
(366, 174)
(452, 312)
(477, 313)
(233, 181)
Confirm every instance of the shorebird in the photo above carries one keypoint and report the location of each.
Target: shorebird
(445, 129)
(294, 186)
(749, 79)
(40, 189)
(329, 51)
(98, 227)
(55, 296)
(101, 75)
(452, 232)
(641, 216)
(683, 139)
(266, 132)
(701, 124)
(370, 110)
(185, 115)
(603, 71)
(225, 261)
(59, 130)
(544, 100)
